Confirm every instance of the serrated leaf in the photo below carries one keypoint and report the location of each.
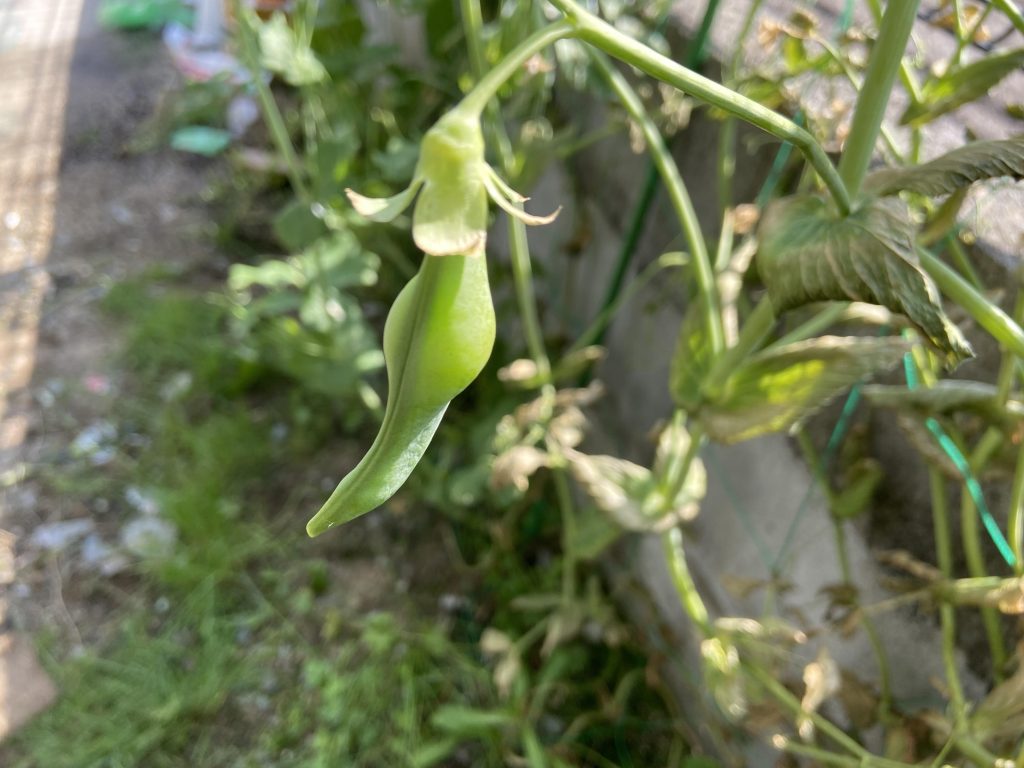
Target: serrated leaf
(776, 389)
(962, 85)
(809, 252)
(692, 359)
(954, 170)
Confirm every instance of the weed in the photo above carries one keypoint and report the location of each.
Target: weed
(149, 701)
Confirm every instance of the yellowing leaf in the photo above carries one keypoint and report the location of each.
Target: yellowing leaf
(776, 389)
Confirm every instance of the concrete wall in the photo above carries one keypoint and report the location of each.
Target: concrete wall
(763, 516)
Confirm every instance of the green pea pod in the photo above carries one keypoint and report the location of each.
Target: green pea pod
(437, 338)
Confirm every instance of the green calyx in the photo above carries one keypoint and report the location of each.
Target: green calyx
(451, 214)
(437, 338)
(454, 182)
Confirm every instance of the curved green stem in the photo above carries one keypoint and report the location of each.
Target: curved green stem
(971, 537)
(680, 468)
(602, 35)
(818, 469)
(672, 541)
(271, 113)
(783, 695)
(1012, 12)
(488, 85)
(594, 332)
(947, 615)
(816, 324)
(678, 194)
(1015, 527)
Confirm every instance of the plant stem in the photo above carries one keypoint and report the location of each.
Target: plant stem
(985, 313)
(818, 470)
(947, 614)
(828, 316)
(1015, 523)
(592, 335)
(569, 534)
(1015, 526)
(822, 756)
(883, 66)
(971, 538)
(757, 326)
(519, 250)
(678, 195)
(477, 99)
(522, 278)
(823, 724)
(962, 260)
(488, 85)
(678, 474)
(854, 80)
(602, 35)
(672, 541)
(1012, 12)
(268, 105)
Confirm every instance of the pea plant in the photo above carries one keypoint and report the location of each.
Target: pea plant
(851, 243)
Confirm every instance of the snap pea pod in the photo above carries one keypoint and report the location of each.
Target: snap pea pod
(437, 338)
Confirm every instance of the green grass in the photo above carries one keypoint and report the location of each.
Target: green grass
(151, 701)
(236, 651)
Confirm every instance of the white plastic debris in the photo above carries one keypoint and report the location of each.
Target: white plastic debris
(99, 555)
(150, 538)
(95, 442)
(57, 537)
(142, 501)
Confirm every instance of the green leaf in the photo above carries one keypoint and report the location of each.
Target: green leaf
(961, 86)
(466, 721)
(433, 752)
(593, 533)
(775, 389)
(274, 273)
(692, 359)
(860, 489)
(296, 226)
(285, 54)
(533, 750)
(954, 170)
(809, 252)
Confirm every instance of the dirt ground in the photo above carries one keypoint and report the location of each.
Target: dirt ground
(111, 214)
(79, 213)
